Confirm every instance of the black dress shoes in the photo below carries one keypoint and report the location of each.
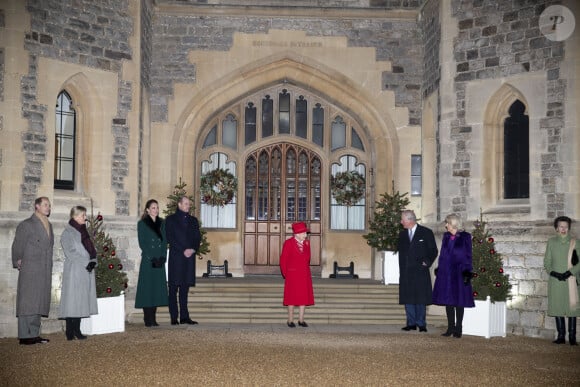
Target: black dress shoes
(448, 332)
(187, 321)
(422, 329)
(28, 341)
(174, 322)
(409, 328)
(291, 324)
(41, 340)
(303, 324)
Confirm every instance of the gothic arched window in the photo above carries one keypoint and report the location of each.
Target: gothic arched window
(65, 143)
(516, 153)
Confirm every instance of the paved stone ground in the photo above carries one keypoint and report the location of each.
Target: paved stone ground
(275, 355)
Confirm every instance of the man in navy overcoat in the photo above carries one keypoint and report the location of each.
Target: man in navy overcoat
(417, 252)
(184, 238)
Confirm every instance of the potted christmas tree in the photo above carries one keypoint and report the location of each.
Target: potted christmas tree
(384, 232)
(491, 287)
(111, 283)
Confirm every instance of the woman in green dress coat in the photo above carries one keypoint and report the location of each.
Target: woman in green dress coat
(561, 262)
(152, 284)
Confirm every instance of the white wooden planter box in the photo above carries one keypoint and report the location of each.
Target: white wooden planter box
(111, 317)
(390, 267)
(487, 319)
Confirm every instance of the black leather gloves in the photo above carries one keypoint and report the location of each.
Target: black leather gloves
(574, 258)
(158, 262)
(466, 276)
(561, 276)
(91, 266)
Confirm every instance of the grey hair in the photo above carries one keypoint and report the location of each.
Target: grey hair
(409, 215)
(76, 210)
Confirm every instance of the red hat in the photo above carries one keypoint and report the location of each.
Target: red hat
(299, 227)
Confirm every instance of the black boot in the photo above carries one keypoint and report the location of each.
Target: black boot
(77, 329)
(572, 330)
(154, 317)
(561, 328)
(69, 331)
(459, 322)
(147, 316)
(450, 321)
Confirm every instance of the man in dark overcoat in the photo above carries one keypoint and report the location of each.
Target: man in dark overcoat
(32, 252)
(184, 238)
(417, 252)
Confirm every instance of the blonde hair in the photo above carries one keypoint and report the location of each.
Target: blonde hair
(76, 210)
(454, 221)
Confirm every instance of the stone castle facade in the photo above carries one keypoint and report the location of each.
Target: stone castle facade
(419, 90)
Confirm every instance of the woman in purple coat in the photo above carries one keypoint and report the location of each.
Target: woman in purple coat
(453, 275)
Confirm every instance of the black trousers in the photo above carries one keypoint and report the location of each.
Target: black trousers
(183, 312)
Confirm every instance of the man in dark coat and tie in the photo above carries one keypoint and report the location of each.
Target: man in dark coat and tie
(417, 252)
(184, 238)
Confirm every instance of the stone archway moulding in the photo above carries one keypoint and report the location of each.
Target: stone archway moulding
(95, 100)
(495, 114)
(312, 76)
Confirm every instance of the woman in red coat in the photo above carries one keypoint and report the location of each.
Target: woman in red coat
(295, 267)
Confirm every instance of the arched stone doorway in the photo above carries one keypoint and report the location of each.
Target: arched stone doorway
(362, 121)
(282, 186)
(282, 142)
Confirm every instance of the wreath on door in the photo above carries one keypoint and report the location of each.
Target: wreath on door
(218, 187)
(347, 188)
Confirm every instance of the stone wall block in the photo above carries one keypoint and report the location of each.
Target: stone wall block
(538, 274)
(531, 319)
(534, 262)
(527, 288)
(533, 304)
(516, 274)
(541, 288)
(512, 317)
(515, 261)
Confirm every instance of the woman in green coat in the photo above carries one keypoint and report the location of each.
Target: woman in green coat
(561, 262)
(152, 284)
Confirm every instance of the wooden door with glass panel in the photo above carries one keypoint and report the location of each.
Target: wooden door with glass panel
(282, 186)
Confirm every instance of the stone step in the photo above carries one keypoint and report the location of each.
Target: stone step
(259, 301)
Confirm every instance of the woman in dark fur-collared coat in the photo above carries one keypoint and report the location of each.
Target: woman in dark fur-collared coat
(152, 285)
